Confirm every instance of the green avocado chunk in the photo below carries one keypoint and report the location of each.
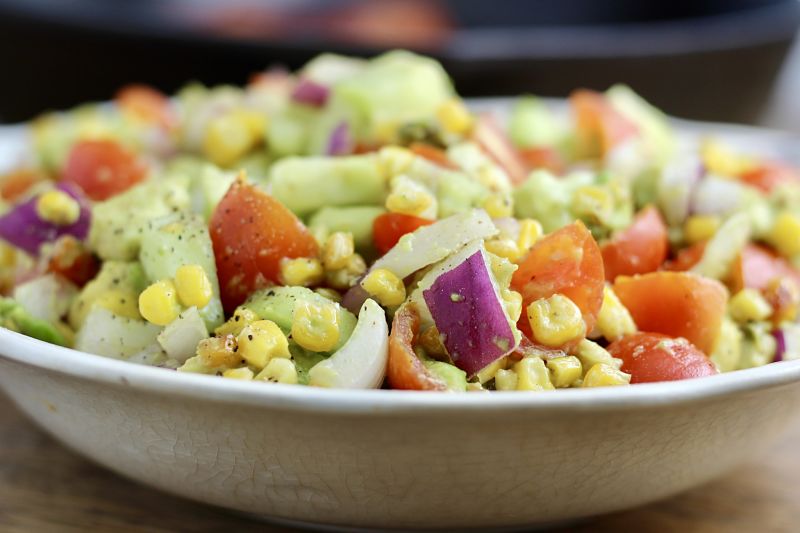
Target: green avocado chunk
(15, 318)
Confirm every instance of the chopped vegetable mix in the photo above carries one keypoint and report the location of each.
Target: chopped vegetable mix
(357, 225)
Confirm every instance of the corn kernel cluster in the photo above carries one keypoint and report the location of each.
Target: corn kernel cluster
(162, 302)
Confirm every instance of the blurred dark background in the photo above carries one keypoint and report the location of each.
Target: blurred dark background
(709, 59)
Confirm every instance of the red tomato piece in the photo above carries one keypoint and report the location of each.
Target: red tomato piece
(678, 304)
(650, 357)
(757, 266)
(389, 227)
(769, 175)
(251, 232)
(639, 249)
(71, 259)
(494, 142)
(102, 168)
(599, 126)
(147, 104)
(568, 262)
(405, 370)
(15, 184)
(686, 258)
(543, 157)
(432, 154)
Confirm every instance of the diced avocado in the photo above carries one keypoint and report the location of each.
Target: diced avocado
(307, 184)
(125, 280)
(457, 193)
(328, 69)
(117, 223)
(547, 198)
(395, 88)
(356, 220)
(277, 304)
(454, 377)
(532, 124)
(652, 122)
(15, 318)
(758, 345)
(176, 240)
(304, 361)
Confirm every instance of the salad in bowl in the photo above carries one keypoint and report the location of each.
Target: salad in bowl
(357, 225)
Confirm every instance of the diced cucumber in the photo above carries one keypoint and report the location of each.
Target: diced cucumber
(307, 184)
(547, 198)
(356, 220)
(454, 377)
(533, 124)
(277, 304)
(176, 240)
(652, 122)
(110, 335)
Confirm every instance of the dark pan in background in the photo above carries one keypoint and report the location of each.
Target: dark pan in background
(714, 60)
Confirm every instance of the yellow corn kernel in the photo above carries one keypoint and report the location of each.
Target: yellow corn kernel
(506, 248)
(749, 305)
(530, 231)
(699, 228)
(532, 375)
(512, 301)
(473, 386)
(243, 373)
(279, 371)
(593, 201)
(302, 271)
(454, 117)
(58, 207)
(344, 278)
(193, 286)
(555, 320)
(614, 320)
(719, 159)
(565, 371)
(498, 205)
(255, 121)
(410, 198)
(121, 303)
(337, 250)
(218, 353)
(158, 303)
(385, 132)
(387, 288)
(394, 160)
(785, 234)
(235, 324)
(315, 326)
(490, 371)
(603, 375)
(262, 341)
(728, 347)
(8, 256)
(228, 138)
(590, 354)
(330, 294)
(505, 380)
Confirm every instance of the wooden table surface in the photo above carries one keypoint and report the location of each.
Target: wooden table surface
(45, 487)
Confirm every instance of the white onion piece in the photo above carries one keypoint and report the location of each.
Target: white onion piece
(47, 297)
(678, 180)
(718, 196)
(361, 362)
(724, 247)
(180, 337)
(788, 342)
(111, 335)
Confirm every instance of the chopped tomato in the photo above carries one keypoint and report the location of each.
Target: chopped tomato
(639, 249)
(72, 260)
(147, 104)
(783, 295)
(102, 168)
(757, 266)
(686, 258)
(769, 175)
(599, 126)
(650, 357)
(492, 140)
(251, 232)
(389, 227)
(678, 304)
(568, 262)
(433, 154)
(14, 184)
(405, 370)
(543, 157)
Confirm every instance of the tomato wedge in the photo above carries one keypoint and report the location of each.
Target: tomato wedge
(147, 104)
(389, 227)
(494, 142)
(543, 157)
(599, 126)
(251, 232)
(757, 266)
(769, 175)
(102, 168)
(405, 370)
(678, 304)
(639, 249)
(568, 261)
(650, 357)
(71, 259)
(433, 154)
(686, 258)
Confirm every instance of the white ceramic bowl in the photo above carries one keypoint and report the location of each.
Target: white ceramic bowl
(394, 459)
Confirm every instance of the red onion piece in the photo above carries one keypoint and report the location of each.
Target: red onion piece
(780, 341)
(340, 141)
(310, 93)
(471, 320)
(23, 228)
(354, 298)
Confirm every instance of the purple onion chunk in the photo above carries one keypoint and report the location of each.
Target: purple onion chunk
(469, 316)
(23, 228)
(311, 93)
(340, 142)
(354, 298)
(780, 345)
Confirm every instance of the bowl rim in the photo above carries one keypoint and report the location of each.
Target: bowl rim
(38, 354)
